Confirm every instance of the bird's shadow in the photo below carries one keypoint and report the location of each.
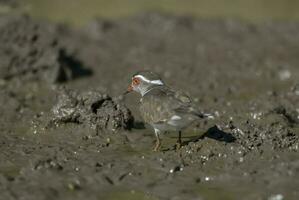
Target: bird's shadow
(213, 133)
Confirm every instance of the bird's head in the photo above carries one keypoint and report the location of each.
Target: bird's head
(143, 81)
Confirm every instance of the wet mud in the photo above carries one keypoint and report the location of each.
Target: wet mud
(82, 142)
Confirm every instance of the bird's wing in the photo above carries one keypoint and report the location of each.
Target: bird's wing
(164, 104)
(182, 104)
(156, 108)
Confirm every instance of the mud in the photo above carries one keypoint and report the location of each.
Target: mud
(30, 50)
(93, 108)
(10, 3)
(246, 75)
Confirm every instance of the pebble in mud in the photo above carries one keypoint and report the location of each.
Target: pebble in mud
(93, 108)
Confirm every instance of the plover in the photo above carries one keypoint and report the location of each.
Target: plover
(162, 107)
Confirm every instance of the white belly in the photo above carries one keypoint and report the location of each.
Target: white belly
(175, 123)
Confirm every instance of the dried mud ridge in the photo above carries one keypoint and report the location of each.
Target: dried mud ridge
(246, 75)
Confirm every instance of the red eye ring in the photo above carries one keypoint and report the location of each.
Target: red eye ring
(135, 81)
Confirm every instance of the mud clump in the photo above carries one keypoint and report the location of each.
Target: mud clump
(31, 50)
(94, 108)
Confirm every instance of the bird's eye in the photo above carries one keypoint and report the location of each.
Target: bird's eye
(135, 81)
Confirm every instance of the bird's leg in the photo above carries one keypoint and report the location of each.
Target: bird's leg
(158, 140)
(179, 141)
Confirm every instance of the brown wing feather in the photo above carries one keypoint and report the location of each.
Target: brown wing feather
(161, 103)
(155, 110)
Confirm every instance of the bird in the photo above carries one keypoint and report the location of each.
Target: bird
(162, 107)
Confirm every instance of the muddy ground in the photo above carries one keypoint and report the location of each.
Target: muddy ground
(66, 133)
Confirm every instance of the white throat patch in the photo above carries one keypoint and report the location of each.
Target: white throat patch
(155, 82)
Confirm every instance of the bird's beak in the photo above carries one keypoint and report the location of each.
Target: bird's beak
(130, 89)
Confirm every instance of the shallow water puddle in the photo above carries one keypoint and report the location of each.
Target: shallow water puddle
(210, 192)
(128, 195)
(9, 171)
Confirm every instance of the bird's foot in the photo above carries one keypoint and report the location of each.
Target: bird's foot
(157, 146)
